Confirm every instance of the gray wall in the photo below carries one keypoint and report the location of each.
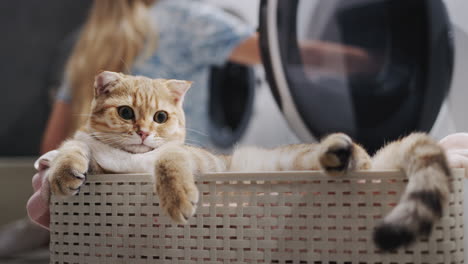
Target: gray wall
(31, 35)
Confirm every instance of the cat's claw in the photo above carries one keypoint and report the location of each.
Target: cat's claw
(78, 175)
(65, 181)
(336, 154)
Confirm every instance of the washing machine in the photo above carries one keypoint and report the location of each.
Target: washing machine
(374, 69)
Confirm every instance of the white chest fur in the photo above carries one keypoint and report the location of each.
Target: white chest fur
(116, 160)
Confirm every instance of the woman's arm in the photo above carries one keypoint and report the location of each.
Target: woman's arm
(57, 127)
(247, 52)
(324, 55)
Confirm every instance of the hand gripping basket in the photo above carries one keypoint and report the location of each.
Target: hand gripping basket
(294, 217)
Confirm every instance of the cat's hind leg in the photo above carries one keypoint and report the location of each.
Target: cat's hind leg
(422, 202)
(338, 154)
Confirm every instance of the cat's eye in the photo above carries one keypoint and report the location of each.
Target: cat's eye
(161, 117)
(126, 112)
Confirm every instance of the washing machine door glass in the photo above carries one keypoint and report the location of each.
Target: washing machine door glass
(374, 69)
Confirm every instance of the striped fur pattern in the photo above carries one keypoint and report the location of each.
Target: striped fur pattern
(422, 203)
(175, 165)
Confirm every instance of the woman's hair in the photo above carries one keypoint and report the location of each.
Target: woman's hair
(115, 33)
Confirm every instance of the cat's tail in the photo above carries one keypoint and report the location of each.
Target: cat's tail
(425, 196)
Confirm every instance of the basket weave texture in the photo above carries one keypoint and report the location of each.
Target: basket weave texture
(296, 217)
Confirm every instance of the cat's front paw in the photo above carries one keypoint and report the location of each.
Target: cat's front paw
(178, 195)
(336, 154)
(66, 177)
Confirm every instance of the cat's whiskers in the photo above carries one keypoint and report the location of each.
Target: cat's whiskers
(110, 139)
(106, 134)
(192, 145)
(120, 139)
(98, 132)
(192, 142)
(196, 131)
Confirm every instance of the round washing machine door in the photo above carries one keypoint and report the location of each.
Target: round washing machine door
(374, 69)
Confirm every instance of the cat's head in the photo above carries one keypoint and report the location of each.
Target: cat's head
(135, 113)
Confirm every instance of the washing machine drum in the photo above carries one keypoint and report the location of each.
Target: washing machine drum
(374, 69)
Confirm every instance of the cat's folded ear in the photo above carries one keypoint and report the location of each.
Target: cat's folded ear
(104, 82)
(178, 88)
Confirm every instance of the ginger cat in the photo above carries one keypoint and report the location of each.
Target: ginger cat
(136, 117)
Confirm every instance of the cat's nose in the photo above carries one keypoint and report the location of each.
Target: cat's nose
(142, 134)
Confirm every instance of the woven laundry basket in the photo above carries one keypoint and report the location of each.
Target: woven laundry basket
(294, 217)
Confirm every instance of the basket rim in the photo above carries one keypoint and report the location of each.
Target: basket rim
(290, 176)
